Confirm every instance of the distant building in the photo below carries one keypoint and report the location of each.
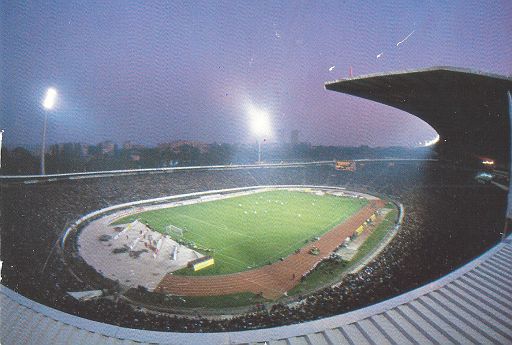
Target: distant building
(74, 149)
(175, 145)
(281, 136)
(128, 145)
(135, 157)
(294, 137)
(107, 147)
(84, 149)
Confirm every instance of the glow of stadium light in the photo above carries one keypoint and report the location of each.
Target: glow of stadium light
(260, 122)
(50, 98)
(484, 175)
(48, 104)
(260, 125)
(488, 162)
(432, 142)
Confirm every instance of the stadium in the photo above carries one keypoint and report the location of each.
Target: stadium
(235, 231)
(99, 236)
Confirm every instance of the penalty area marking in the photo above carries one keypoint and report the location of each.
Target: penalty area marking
(223, 227)
(327, 229)
(232, 258)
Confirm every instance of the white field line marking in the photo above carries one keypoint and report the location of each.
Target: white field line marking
(232, 258)
(232, 245)
(220, 227)
(327, 229)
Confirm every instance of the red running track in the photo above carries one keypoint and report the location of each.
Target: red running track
(272, 281)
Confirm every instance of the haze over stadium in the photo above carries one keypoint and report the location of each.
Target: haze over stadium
(162, 72)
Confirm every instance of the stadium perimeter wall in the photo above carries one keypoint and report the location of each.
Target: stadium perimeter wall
(31, 179)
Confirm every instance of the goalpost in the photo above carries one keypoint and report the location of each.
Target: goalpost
(172, 229)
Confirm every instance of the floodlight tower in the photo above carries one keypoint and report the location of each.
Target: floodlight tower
(48, 104)
(1, 134)
(260, 126)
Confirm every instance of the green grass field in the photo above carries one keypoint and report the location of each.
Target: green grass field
(249, 231)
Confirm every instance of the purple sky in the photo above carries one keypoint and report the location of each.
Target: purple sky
(153, 72)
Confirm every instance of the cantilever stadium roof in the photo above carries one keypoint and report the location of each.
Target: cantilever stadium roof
(468, 109)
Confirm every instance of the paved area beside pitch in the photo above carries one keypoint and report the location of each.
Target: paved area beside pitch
(131, 253)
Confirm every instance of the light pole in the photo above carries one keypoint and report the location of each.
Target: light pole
(48, 104)
(260, 126)
(259, 151)
(1, 135)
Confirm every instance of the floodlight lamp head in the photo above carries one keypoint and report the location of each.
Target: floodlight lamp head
(432, 142)
(50, 98)
(260, 122)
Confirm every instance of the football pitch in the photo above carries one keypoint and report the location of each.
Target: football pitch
(250, 231)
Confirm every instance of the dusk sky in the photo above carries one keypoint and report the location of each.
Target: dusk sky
(154, 72)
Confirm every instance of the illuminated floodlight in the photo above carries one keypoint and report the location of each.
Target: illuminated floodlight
(488, 162)
(48, 104)
(260, 122)
(432, 142)
(50, 98)
(484, 175)
(260, 125)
